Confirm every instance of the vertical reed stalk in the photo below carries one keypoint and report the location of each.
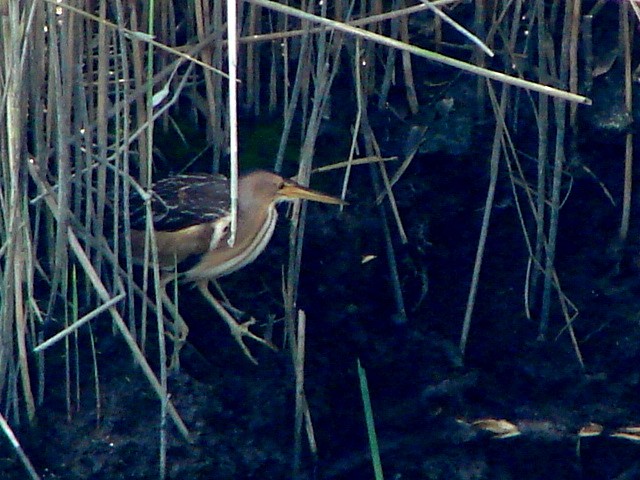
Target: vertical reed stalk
(560, 108)
(626, 41)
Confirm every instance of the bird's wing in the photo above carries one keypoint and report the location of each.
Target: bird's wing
(181, 201)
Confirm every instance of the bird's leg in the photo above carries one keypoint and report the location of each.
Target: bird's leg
(238, 330)
(235, 312)
(179, 328)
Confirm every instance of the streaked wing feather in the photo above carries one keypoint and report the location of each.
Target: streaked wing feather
(181, 201)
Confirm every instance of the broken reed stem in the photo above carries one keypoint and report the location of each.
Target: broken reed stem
(76, 324)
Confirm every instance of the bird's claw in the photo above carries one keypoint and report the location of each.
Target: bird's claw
(239, 330)
(178, 338)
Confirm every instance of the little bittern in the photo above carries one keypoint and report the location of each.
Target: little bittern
(191, 219)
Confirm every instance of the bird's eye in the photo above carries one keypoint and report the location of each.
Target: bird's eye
(281, 185)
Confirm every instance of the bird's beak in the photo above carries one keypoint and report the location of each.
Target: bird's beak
(292, 190)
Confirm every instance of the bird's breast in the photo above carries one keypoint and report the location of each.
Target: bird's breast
(252, 237)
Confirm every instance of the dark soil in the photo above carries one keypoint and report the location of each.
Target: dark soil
(425, 397)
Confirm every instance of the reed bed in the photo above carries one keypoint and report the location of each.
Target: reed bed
(86, 86)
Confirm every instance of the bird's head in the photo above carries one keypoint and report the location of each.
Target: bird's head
(262, 188)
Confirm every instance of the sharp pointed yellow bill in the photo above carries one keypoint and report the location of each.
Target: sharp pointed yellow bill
(294, 190)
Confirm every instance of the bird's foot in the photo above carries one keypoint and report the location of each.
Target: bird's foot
(240, 330)
(178, 335)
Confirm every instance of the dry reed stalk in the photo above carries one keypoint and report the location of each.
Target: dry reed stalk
(626, 41)
(510, 152)
(217, 122)
(388, 192)
(328, 51)
(138, 36)
(232, 56)
(368, 85)
(464, 66)
(102, 131)
(573, 61)
(203, 20)
(499, 113)
(441, 16)
(14, 309)
(291, 102)
(275, 67)
(151, 250)
(479, 26)
(586, 31)
(96, 377)
(122, 160)
(60, 111)
(395, 13)
(556, 181)
(368, 56)
(373, 151)
(298, 343)
(410, 89)
(569, 317)
(353, 162)
(144, 143)
(13, 440)
(103, 294)
(371, 147)
(542, 157)
(252, 61)
(390, 64)
(355, 131)
(76, 324)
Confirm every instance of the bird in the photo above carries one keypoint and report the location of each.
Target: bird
(191, 224)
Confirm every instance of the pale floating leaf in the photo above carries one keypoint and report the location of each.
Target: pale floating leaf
(591, 430)
(502, 428)
(368, 258)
